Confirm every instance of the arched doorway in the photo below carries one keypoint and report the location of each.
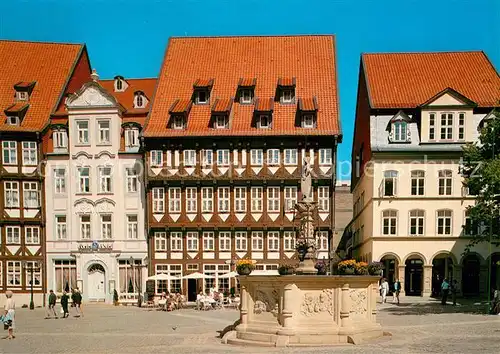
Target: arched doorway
(495, 271)
(442, 267)
(390, 271)
(96, 279)
(471, 268)
(414, 278)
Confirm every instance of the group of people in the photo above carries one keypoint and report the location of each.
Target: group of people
(76, 298)
(170, 301)
(446, 289)
(385, 289)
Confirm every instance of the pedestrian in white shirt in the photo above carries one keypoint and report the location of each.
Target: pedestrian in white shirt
(384, 289)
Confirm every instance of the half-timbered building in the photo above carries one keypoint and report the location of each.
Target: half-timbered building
(232, 121)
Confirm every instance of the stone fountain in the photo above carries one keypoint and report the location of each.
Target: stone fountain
(306, 309)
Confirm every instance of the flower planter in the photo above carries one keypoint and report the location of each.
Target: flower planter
(285, 271)
(348, 271)
(244, 270)
(321, 272)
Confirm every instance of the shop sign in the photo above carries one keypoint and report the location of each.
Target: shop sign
(95, 247)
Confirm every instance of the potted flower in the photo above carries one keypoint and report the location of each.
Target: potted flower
(347, 267)
(321, 266)
(286, 269)
(361, 268)
(302, 247)
(375, 268)
(245, 266)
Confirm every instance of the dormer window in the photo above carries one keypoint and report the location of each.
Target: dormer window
(221, 122)
(202, 88)
(287, 96)
(22, 95)
(201, 97)
(23, 90)
(246, 90)
(263, 113)
(12, 120)
(178, 122)
(307, 109)
(221, 111)
(60, 140)
(140, 100)
(308, 121)
(264, 121)
(286, 90)
(246, 96)
(398, 128)
(399, 131)
(131, 137)
(120, 84)
(179, 113)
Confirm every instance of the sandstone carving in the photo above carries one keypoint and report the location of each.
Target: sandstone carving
(266, 302)
(314, 303)
(359, 301)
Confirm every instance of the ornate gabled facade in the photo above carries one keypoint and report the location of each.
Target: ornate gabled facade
(414, 113)
(95, 194)
(225, 141)
(32, 85)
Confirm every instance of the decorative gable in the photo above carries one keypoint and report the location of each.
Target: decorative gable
(91, 95)
(448, 98)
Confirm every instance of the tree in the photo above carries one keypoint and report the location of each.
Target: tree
(481, 169)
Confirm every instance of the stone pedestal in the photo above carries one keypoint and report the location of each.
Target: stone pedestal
(300, 310)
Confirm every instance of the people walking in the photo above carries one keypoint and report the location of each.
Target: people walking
(77, 302)
(9, 315)
(445, 289)
(384, 289)
(454, 291)
(397, 290)
(64, 304)
(51, 308)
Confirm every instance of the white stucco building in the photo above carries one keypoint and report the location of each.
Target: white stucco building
(94, 196)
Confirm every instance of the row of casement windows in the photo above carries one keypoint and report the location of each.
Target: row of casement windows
(417, 181)
(105, 227)
(60, 137)
(446, 125)
(31, 195)
(104, 180)
(29, 153)
(416, 222)
(15, 273)
(224, 239)
(223, 157)
(239, 199)
(13, 235)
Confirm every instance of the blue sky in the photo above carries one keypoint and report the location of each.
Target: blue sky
(129, 37)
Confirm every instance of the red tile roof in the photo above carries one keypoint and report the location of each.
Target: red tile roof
(247, 82)
(222, 105)
(264, 104)
(406, 80)
(48, 64)
(17, 107)
(310, 59)
(180, 106)
(308, 104)
(204, 83)
(287, 81)
(126, 98)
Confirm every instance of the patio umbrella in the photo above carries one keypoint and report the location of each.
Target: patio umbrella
(162, 276)
(228, 275)
(196, 275)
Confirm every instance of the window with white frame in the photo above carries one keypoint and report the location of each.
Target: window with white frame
(178, 122)
(201, 96)
(308, 121)
(446, 126)
(139, 100)
(325, 157)
(22, 95)
(246, 96)
(83, 179)
(105, 180)
(60, 181)
(174, 200)
(65, 275)
(225, 241)
(156, 158)
(445, 182)
(273, 157)
(223, 199)
(264, 121)
(60, 139)
(176, 241)
(399, 131)
(11, 194)
(389, 222)
(106, 227)
(13, 273)
(289, 241)
(131, 137)
(256, 198)
(241, 241)
(290, 157)
(240, 199)
(132, 227)
(61, 227)
(273, 241)
(207, 200)
(221, 122)
(256, 157)
(9, 150)
(207, 157)
(32, 235)
(257, 241)
(417, 182)
(287, 95)
(324, 198)
(158, 200)
(103, 127)
(129, 276)
(323, 240)
(132, 179)
(266, 267)
(273, 199)
(189, 158)
(160, 241)
(172, 286)
(191, 200)
(390, 183)
(31, 195)
(208, 241)
(461, 126)
(85, 227)
(30, 153)
(13, 234)
(12, 120)
(222, 158)
(417, 219)
(192, 241)
(432, 126)
(290, 198)
(37, 274)
(444, 219)
(82, 129)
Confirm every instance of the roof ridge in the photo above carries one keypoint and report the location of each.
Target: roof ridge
(132, 78)
(257, 36)
(423, 52)
(41, 42)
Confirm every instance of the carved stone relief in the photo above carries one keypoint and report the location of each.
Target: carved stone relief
(266, 301)
(359, 301)
(316, 303)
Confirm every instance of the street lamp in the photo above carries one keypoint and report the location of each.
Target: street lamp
(138, 266)
(31, 267)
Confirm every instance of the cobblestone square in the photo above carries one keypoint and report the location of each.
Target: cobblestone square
(418, 327)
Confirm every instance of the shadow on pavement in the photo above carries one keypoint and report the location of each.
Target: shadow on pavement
(434, 306)
(228, 329)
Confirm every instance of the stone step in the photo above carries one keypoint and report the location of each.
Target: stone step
(249, 343)
(258, 337)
